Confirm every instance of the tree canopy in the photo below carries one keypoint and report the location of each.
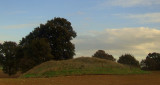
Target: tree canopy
(34, 53)
(128, 59)
(101, 54)
(8, 58)
(59, 34)
(152, 62)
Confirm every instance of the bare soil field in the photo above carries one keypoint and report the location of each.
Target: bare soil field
(141, 79)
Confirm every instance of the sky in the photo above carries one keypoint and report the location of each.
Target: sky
(115, 26)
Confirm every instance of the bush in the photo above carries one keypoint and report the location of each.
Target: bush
(101, 54)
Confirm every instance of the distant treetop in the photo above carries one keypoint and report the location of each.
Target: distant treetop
(101, 54)
(128, 59)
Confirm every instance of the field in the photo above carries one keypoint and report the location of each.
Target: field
(133, 79)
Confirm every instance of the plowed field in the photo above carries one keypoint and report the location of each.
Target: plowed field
(142, 79)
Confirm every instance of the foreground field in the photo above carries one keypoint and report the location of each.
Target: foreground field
(141, 79)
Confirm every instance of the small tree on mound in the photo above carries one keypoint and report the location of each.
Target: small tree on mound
(128, 59)
(101, 54)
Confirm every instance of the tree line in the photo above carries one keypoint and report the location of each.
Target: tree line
(52, 41)
(151, 62)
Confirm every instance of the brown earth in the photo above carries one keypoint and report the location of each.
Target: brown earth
(142, 79)
(2, 75)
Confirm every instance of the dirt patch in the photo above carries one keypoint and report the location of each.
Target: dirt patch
(144, 79)
(3, 75)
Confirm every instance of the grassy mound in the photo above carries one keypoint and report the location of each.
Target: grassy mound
(80, 66)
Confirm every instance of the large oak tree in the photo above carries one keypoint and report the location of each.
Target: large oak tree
(59, 34)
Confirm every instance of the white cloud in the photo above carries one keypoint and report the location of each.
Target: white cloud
(130, 3)
(137, 41)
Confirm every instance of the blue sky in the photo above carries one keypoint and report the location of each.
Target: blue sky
(116, 26)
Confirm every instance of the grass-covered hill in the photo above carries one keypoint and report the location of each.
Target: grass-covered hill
(80, 66)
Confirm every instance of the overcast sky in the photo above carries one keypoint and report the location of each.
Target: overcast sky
(116, 26)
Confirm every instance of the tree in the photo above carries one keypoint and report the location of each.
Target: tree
(152, 62)
(1, 55)
(101, 54)
(34, 53)
(128, 59)
(59, 34)
(8, 58)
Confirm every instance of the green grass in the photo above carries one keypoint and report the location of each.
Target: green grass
(80, 66)
(85, 72)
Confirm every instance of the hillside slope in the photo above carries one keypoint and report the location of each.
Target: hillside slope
(80, 66)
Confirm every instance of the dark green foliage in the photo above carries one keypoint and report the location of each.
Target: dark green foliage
(59, 34)
(101, 54)
(152, 62)
(1, 55)
(8, 58)
(34, 53)
(128, 59)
